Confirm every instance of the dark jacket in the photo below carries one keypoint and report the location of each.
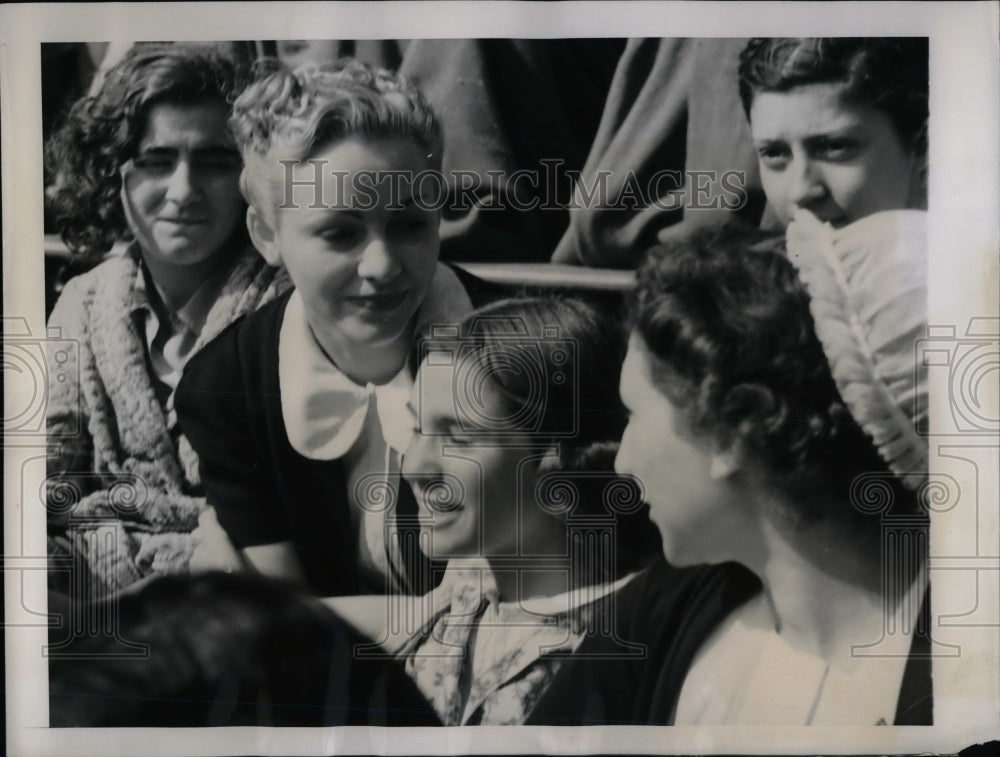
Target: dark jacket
(634, 675)
(229, 407)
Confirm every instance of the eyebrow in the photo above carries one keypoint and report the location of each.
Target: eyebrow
(208, 150)
(324, 219)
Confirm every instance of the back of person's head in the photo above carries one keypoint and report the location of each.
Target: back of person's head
(889, 74)
(221, 649)
(290, 115)
(728, 327)
(103, 131)
(555, 363)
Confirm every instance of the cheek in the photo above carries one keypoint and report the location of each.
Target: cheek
(467, 480)
(635, 448)
(143, 196)
(885, 185)
(315, 271)
(852, 187)
(773, 183)
(421, 261)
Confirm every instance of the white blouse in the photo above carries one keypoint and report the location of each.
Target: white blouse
(746, 673)
(328, 416)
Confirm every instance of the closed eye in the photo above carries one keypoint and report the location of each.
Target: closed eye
(156, 160)
(341, 236)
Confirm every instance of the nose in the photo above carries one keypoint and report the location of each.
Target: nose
(805, 184)
(621, 459)
(378, 263)
(416, 463)
(181, 188)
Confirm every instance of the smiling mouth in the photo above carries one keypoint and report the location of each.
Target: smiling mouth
(380, 301)
(184, 221)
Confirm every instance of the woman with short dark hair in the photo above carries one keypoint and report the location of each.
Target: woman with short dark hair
(768, 418)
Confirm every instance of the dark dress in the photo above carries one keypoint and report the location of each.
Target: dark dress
(671, 612)
(229, 407)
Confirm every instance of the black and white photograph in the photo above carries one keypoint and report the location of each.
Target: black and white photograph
(622, 374)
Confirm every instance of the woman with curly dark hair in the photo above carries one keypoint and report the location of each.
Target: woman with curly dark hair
(148, 160)
(773, 418)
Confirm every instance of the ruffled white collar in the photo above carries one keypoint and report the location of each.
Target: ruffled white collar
(324, 411)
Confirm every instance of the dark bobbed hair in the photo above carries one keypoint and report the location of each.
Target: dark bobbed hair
(102, 132)
(732, 343)
(886, 73)
(555, 362)
(223, 650)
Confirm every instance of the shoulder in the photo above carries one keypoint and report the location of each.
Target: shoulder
(663, 595)
(254, 334)
(101, 292)
(117, 270)
(246, 350)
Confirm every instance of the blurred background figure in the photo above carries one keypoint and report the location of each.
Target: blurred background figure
(226, 650)
(518, 117)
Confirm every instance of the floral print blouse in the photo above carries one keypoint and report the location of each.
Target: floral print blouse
(482, 661)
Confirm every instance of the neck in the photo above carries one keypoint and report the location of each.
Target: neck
(364, 363)
(514, 585)
(824, 584)
(176, 284)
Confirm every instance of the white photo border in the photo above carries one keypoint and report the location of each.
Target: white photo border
(964, 198)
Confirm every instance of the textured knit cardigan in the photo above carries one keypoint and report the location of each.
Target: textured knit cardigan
(128, 495)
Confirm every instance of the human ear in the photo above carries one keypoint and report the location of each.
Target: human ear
(264, 236)
(725, 462)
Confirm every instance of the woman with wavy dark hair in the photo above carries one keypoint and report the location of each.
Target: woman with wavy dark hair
(512, 465)
(148, 161)
(773, 423)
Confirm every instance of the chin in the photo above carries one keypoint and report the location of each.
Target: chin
(676, 554)
(362, 332)
(444, 546)
(184, 255)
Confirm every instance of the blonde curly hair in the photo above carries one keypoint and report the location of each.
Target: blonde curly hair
(289, 115)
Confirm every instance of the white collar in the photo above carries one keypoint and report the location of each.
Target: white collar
(324, 411)
(474, 577)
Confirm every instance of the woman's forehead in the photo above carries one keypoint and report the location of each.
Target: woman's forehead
(807, 110)
(193, 125)
(456, 385)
